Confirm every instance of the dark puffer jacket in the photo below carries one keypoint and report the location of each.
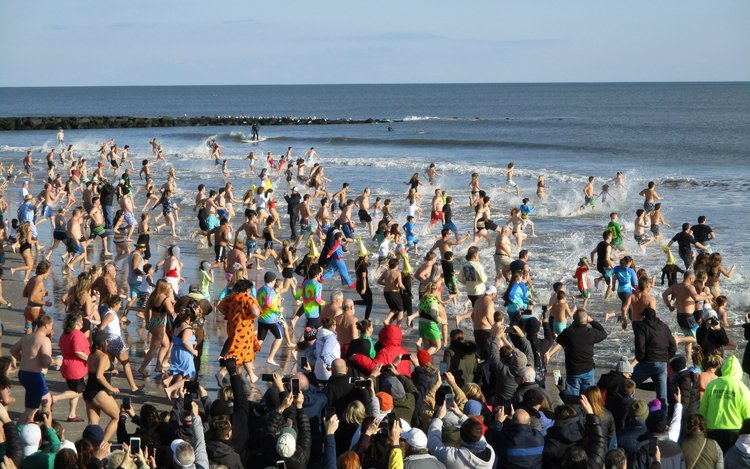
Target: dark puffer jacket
(516, 445)
(562, 436)
(461, 358)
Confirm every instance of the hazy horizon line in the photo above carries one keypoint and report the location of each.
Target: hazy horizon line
(398, 83)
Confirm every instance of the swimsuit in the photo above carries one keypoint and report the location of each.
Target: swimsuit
(93, 387)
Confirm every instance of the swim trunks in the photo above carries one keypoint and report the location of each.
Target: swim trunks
(687, 323)
(130, 219)
(364, 216)
(98, 231)
(589, 201)
(36, 388)
(436, 217)
(501, 262)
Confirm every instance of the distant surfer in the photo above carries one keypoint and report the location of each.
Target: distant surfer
(255, 129)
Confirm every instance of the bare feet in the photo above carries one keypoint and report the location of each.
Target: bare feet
(272, 362)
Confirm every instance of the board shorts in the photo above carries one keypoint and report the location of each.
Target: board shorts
(511, 183)
(212, 222)
(436, 216)
(450, 226)
(266, 327)
(364, 216)
(589, 201)
(98, 231)
(394, 300)
(36, 388)
(641, 239)
(76, 385)
(135, 289)
(687, 323)
(251, 246)
(607, 274)
(655, 230)
(558, 327)
(304, 227)
(221, 252)
(585, 293)
(74, 246)
(429, 329)
(130, 219)
(501, 262)
(648, 206)
(347, 230)
(59, 235)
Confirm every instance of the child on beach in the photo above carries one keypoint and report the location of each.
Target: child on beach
(147, 285)
(224, 169)
(616, 229)
(582, 278)
(411, 239)
(449, 276)
(560, 312)
(605, 193)
(526, 210)
(207, 278)
(509, 179)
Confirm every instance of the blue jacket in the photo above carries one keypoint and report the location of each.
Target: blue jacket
(627, 438)
(516, 446)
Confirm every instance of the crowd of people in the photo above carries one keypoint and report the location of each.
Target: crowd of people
(364, 392)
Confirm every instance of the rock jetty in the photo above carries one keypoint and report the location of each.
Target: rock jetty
(120, 122)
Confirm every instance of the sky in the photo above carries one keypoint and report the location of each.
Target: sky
(186, 42)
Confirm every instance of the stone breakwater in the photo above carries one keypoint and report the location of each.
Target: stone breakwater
(120, 122)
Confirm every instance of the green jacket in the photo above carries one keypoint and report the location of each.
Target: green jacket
(42, 460)
(726, 402)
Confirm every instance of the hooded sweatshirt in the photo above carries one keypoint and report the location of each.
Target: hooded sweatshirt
(479, 455)
(327, 349)
(738, 455)
(726, 402)
(389, 340)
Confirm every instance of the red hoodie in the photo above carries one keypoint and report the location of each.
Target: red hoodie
(389, 339)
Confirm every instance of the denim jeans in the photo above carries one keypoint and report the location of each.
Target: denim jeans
(574, 384)
(107, 216)
(657, 371)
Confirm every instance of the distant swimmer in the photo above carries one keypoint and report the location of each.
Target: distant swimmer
(618, 181)
(60, 137)
(589, 196)
(651, 196)
(540, 188)
(657, 219)
(432, 173)
(155, 146)
(311, 155)
(509, 182)
(390, 128)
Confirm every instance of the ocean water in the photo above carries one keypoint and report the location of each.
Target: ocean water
(692, 139)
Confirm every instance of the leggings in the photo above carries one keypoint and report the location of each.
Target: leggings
(366, 301)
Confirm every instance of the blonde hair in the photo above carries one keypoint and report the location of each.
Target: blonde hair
(119, 459)
(355, 412)
(474, 391)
